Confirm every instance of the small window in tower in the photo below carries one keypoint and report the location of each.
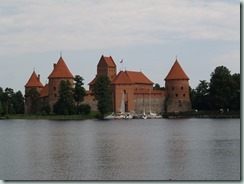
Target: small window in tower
(176, 95)
(182, 88)
(184, 95)
(54, 88)
(55, 95)
(173, 88)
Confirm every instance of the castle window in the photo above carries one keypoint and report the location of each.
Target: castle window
(182, 88)
(55, 95)
(173, 88)
(176, 95)
(54, 88)
(184, 95)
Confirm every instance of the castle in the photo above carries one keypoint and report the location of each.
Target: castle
(131, 88)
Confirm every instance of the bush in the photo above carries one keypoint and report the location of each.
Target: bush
(84, 109)
(46, 110)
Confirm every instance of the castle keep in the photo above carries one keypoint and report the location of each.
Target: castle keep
(132, 88)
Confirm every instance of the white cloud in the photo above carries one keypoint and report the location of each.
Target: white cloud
(32, 26)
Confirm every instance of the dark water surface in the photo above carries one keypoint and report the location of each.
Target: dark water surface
(160, 149)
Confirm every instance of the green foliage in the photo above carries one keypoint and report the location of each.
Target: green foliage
(156, 86)
(220, 88)
(11, 102)
(222, 92)
(84, 109)
(79, 91)
(33, 96)
(102, 93)
(7, 101)
(64, 105)
(46, 110)
(202, 95)
(18, 102)
(1, 109)
(235, 92)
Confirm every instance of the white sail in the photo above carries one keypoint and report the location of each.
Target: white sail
(122, 106)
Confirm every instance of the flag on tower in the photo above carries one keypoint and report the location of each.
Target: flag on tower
(121, 61)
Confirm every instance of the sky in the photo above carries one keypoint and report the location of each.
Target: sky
(147, 34)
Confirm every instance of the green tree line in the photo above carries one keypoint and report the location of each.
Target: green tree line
(11, 102)
(221, 92)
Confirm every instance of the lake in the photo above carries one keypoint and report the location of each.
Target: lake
(155, 149)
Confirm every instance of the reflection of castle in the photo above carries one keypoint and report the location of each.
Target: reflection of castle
(136, 89)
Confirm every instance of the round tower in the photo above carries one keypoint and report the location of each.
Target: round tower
(33, 83)
(177, 88)
(60, 72)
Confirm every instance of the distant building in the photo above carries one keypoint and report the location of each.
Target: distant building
(136, 91)
(131, 88)
(48, 93)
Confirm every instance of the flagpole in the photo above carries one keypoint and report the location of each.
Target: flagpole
(122, 64)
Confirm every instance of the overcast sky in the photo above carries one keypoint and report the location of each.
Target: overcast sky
(147, 34)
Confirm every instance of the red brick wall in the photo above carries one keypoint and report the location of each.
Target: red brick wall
(177, 89)
(128, 90)
(178, 95)
(54, 89)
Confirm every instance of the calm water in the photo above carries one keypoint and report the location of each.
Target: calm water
(182, 149)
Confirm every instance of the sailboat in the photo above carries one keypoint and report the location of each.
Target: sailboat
(153, 115)
(111, 116)
(122, 108)
(144, 116)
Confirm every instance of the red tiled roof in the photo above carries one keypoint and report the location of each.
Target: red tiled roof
(107, 60)
(93, 81)
(61, 70)
(45, 91)
(34, 81)
(122, 78)
(138, 77)
(176, 72)
(131, 77)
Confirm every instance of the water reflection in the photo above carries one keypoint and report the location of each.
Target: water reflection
(120, 150)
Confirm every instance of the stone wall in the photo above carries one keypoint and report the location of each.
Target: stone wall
(156, 104)
(178, 105)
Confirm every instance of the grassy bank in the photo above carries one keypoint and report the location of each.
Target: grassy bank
(92, 115)
(203, 114)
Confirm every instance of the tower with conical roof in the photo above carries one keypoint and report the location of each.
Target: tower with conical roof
(33, 83)
(177, 88)
(60, 72)
(105, 67)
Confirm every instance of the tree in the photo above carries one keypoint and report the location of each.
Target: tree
(156, 86)
(79, 91)
(202, 96)
(220, 88)
(1, 106)
(33, 96)
(235, 92)
(1, 109)
(64, 105)
(7, 98)
(18, 102)
(102, 93)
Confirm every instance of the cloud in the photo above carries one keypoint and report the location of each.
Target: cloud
(37, 26)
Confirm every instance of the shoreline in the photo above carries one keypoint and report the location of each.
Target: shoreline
(181, 115)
